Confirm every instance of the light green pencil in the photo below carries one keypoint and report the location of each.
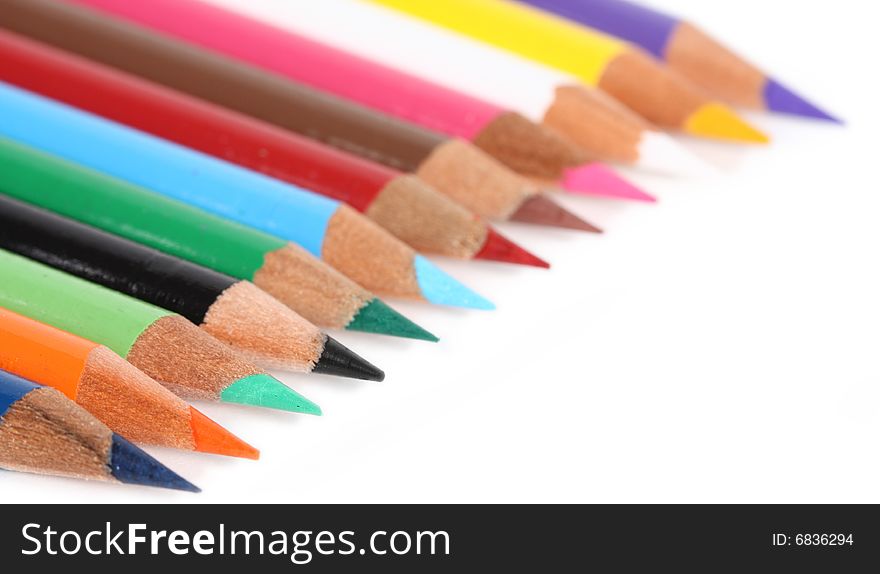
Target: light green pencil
(162, 344)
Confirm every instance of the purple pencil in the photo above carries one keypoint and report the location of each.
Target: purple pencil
(687, 50)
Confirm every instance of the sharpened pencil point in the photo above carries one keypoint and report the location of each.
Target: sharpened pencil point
(780, 99)
(267, 391)
(131, 465)
(601, 180)
(210, 437)
(441, 289)
(499, 248)
(541, 210)
(377, 317)
(719, 122)
(339, 360)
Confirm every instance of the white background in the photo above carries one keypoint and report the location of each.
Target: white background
(720, 346)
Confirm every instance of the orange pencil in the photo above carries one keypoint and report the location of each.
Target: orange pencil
(115, 392)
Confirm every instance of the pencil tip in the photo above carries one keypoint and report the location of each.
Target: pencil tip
(601, 180)
(339, 360)
(212, 438)
(541, 210)
(262, 390)
(439, 288)
(377, 317)
(131, 465)
(780, 99)
(720, 122)
(499, 248)
(659, 153)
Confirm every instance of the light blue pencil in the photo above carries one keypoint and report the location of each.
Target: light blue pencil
(330, 230)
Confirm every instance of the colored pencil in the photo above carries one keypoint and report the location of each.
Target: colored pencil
(284, 270)
(100, 381)
(163, 345)
(401, 204)
(289, 105)
(384, 194)
(44, 432)
(597, 123)
(341, 236)
(689, 51)
(235, 312)
(523, 146)
(629, 74)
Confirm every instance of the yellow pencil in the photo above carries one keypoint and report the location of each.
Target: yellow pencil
(624, 71)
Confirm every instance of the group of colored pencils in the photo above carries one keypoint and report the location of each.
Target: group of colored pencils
(191, 191)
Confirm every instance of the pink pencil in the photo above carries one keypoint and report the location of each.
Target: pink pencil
(531, 150)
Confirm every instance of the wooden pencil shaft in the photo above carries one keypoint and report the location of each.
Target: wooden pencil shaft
(41, 431)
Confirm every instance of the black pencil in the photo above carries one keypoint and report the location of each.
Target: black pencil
(231, 310)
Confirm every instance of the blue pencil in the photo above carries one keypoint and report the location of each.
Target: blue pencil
(44, 432)
(327, 228)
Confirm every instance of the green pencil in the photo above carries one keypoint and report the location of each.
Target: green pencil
(293, 276)
(160, 343)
